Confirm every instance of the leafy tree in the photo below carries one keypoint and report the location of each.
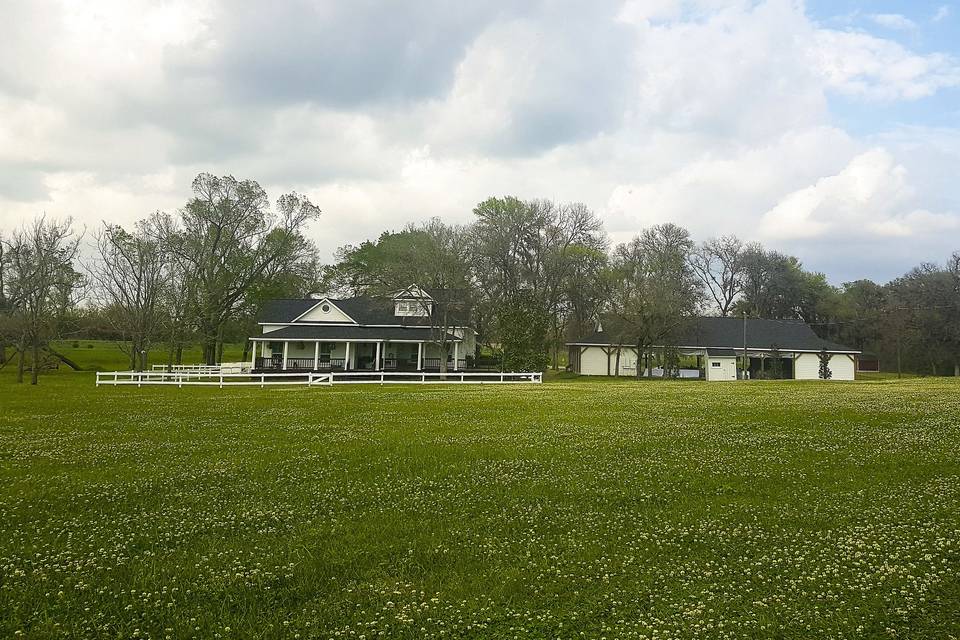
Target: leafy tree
(824, 372)
(226, 238)
(523, 330)
(654, 291)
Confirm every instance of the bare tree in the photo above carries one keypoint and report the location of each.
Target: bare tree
(43, 283)
(128, 278)
(719, 264)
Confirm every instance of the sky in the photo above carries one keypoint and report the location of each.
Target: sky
(828, 129)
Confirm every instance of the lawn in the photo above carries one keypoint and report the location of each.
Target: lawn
(105, 355)
(564, 510)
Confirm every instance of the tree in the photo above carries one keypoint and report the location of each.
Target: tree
(719, 265)
(43, 282)
(226, 238)
(654, 291)
(526, 253)
(824, 372)
(432, 255)
(523, 331)
(776, 362)
(128, 279)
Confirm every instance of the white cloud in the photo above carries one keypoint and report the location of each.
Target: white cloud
(943, 12)
(864, 66)
(710, 113)
(895, 21)
(871, 195)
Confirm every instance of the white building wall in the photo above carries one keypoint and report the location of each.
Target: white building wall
(807, 367)
(727, 369)
(593, 362)
(842, 367)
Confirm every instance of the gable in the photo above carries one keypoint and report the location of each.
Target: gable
(325, 311)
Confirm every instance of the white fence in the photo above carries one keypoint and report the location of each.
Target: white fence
(196, 377)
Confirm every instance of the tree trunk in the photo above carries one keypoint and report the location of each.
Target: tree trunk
(956, 368)
(179, 353)
(21, 362)
(35, 370)
(616, 368)
(899, 360)
(3, 353)
(443, 358)
(639, 360)
(133, 356)
(210, 350)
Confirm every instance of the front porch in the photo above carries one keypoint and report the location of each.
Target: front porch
(328, 356)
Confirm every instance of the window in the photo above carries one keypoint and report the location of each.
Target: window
(715, 364)
(326, 348)
(411, 308)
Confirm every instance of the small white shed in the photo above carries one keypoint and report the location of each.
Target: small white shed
(721, 364)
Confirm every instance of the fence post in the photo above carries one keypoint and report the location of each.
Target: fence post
(501, 376)
(139, 379)
(381, 377)
(262, 378)
(221, 381)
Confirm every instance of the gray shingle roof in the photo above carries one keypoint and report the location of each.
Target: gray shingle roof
(710, 332)
(364, 310)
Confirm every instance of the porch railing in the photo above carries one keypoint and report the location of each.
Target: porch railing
(339, 364)
(300, 364)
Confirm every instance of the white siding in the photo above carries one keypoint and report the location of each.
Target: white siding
(593, 362)
(726, 371)
(332, 314)
(842, 367)
(807, 367)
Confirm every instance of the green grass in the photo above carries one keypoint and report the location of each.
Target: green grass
(570, 509)
(105, 355)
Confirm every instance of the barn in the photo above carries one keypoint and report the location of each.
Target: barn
(790, 348)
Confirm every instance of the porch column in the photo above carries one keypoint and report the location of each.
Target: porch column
(316, 355)
(346, 358)
(253, 358)
(419, 356)
(376, 365)
(456, 354)
(285, 355)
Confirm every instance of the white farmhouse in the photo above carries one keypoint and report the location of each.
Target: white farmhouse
(403, 332)
(720, 344)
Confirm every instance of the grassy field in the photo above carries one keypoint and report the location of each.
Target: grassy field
(104, 355)
(564, 510)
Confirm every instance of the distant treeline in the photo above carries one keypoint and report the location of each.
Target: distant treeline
(531, 274)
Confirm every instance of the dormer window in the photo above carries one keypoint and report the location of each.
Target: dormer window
(411, 308)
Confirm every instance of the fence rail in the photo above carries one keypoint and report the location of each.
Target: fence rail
(217, 379)
(210, 379)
